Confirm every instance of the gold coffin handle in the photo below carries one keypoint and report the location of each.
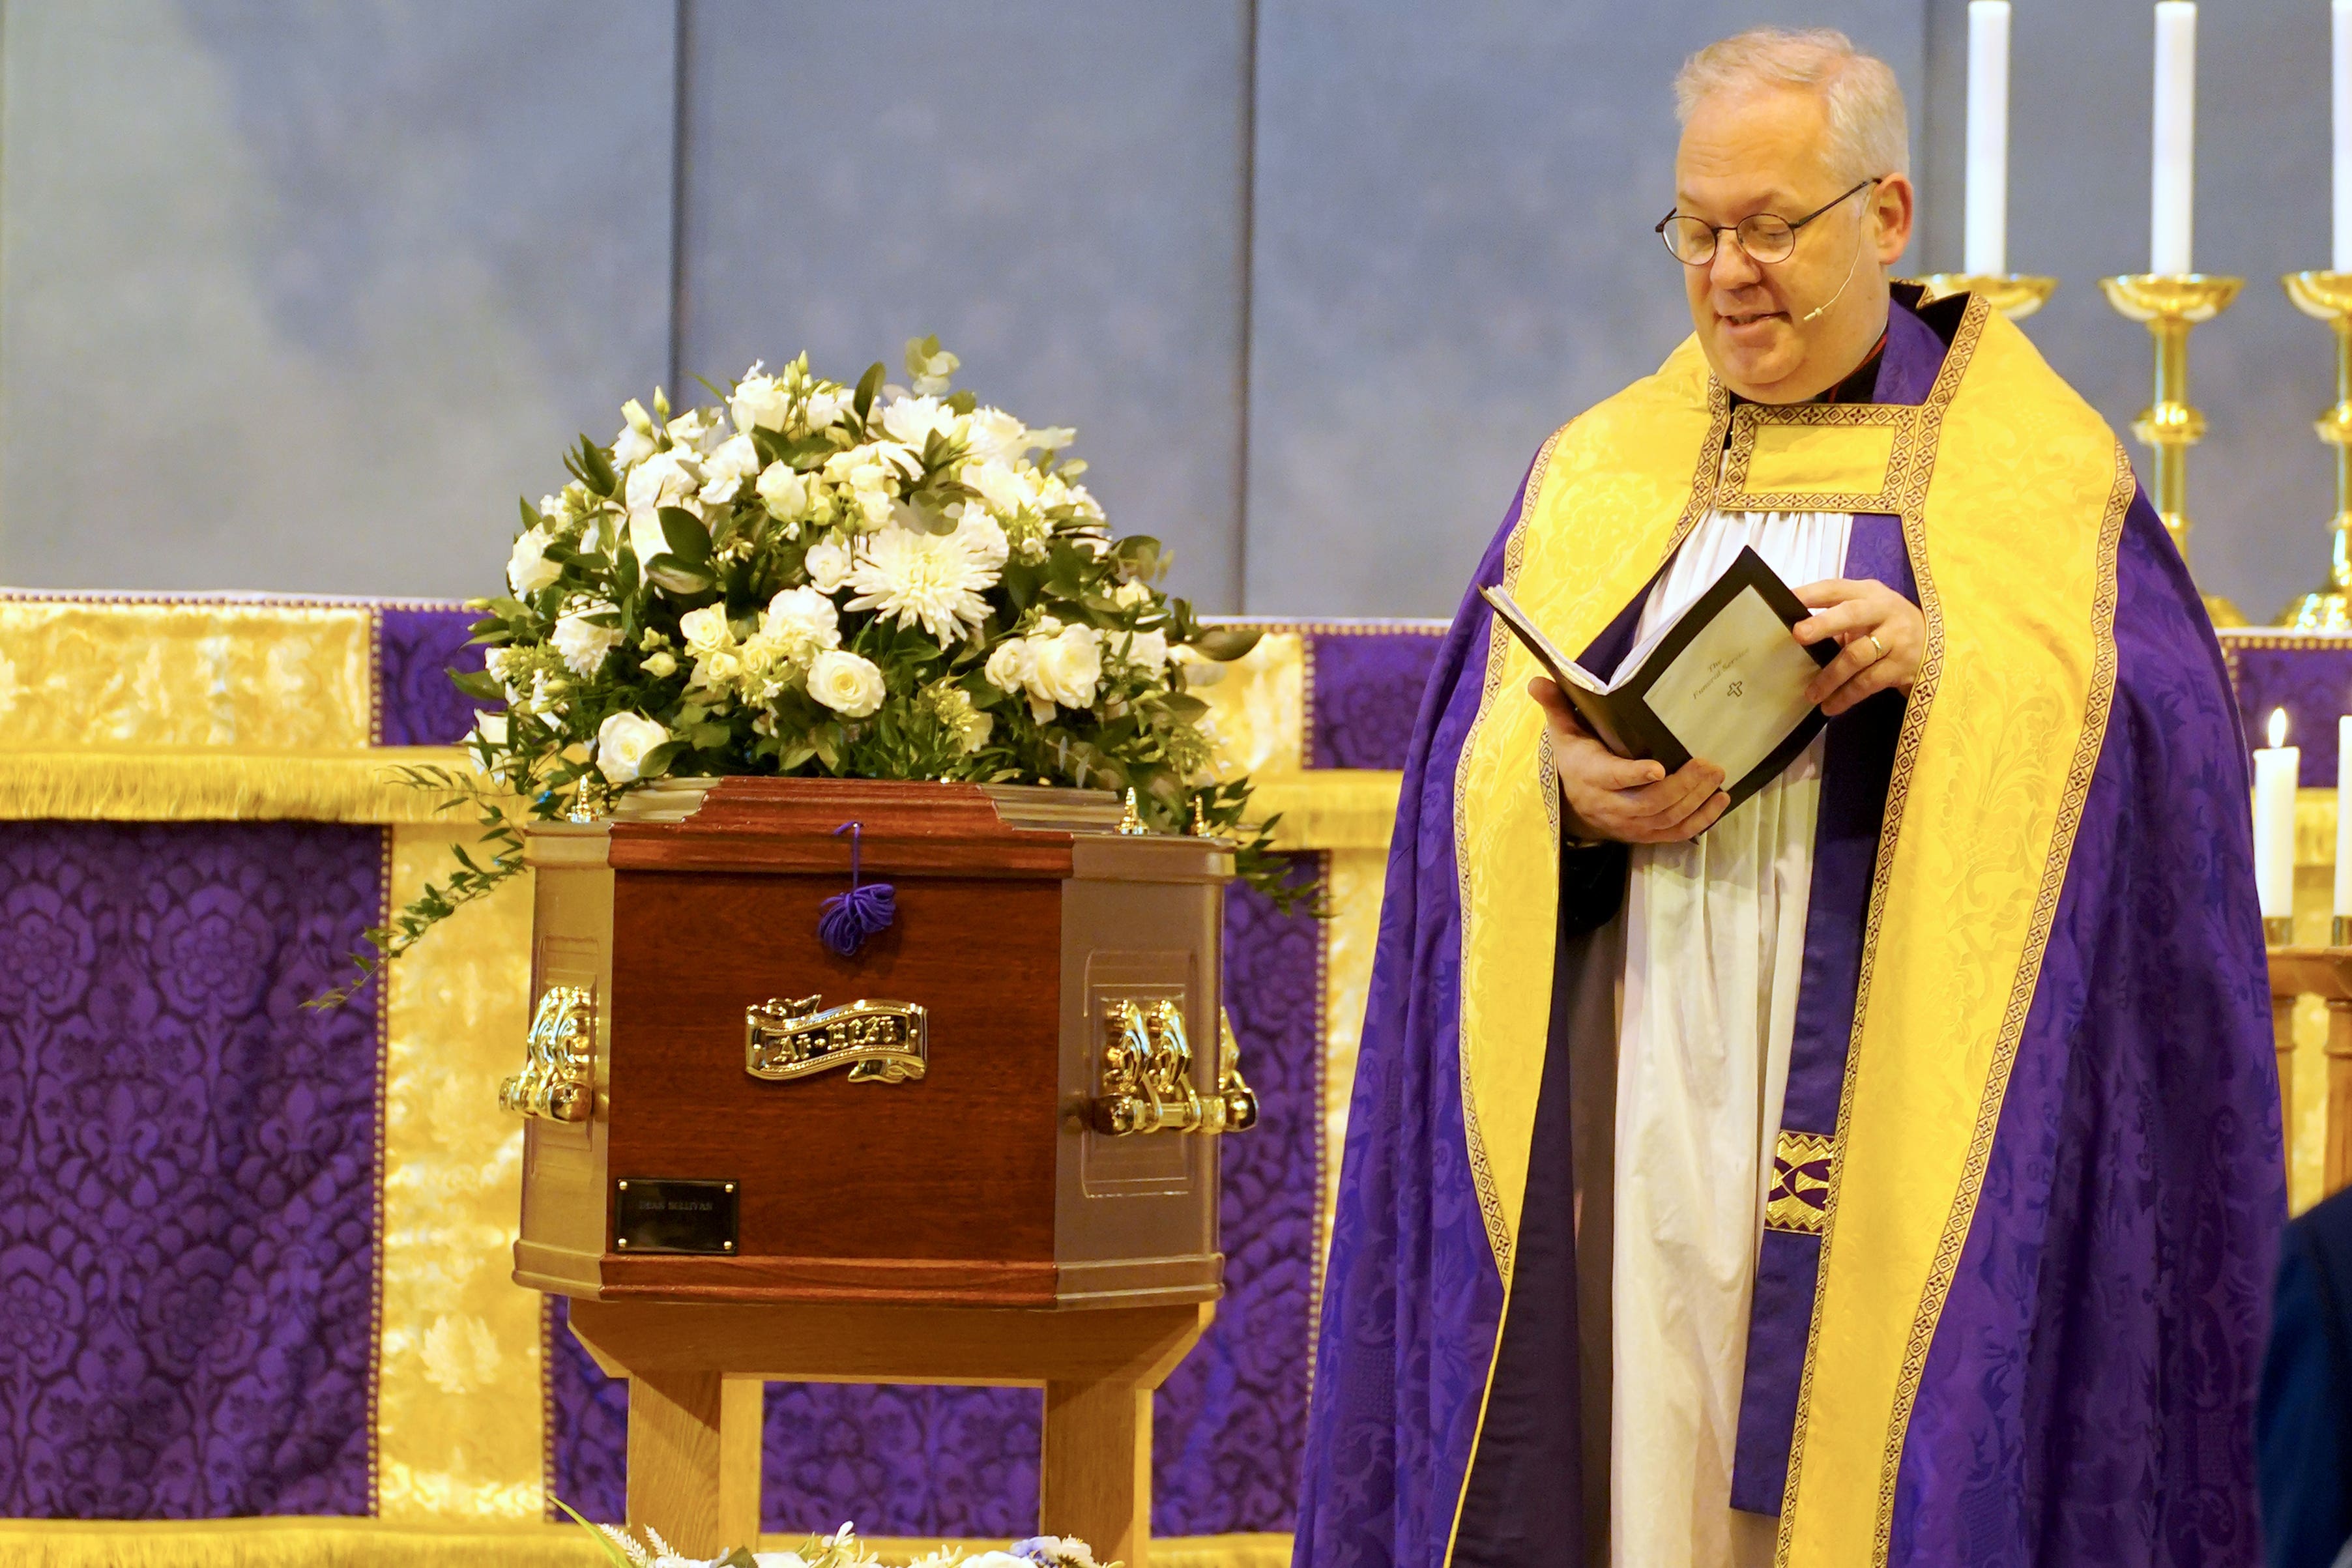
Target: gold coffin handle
(878, 1042)
(557, 1082)
(1147, 1076)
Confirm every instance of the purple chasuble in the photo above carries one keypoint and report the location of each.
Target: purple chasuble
(2088, 1397)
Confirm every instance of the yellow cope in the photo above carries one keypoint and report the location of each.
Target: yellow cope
(2012, 541)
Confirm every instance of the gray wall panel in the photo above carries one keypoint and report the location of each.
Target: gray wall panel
(1053, 186)
(2261, 484)
(302, 297)
(1453, 256)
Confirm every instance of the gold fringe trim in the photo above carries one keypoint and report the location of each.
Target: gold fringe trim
(179, 784)
(372, 1543)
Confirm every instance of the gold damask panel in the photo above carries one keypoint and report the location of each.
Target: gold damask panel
(259, 677)
(460, 1418)
(1257, 706)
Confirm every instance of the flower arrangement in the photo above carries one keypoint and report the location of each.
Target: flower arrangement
(812, 578)
(842, 1549)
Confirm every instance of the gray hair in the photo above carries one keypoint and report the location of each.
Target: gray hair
(1869, 134)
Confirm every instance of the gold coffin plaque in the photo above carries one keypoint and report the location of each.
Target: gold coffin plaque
(878, 1042)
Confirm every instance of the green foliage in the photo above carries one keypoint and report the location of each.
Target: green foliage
(851, 582)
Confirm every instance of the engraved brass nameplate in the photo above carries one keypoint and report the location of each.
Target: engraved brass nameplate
(559, 1057)
(878, 1042)
(655, 1213)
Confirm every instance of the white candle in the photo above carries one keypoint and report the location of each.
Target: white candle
(2275, 767)
(2176, 136)
(1986, 251)
(2344, 815)
(2342, 252)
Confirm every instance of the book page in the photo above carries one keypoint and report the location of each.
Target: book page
(1737, 690)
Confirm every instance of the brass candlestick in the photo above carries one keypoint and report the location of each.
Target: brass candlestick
(2016, 295)
(2171, 303)
(2327, 297)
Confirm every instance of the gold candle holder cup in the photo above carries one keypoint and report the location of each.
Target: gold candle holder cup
(2016, 295)
(2327, 297)
(2169, 303)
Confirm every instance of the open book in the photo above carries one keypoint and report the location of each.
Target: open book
(1723, 680)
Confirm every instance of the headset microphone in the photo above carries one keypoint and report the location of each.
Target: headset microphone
(1850, 267)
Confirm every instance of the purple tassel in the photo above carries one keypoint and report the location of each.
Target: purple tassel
(849, 919)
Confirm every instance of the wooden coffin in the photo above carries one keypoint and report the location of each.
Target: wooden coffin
(990, 1162)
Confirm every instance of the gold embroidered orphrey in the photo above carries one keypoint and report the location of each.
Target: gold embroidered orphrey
(878, 1042)
(1802, 1163)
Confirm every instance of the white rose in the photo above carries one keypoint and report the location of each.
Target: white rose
(828, 564)
(665, 478)
(582, 643)
(759, 402)
(822, 408)
(636, 442)
(784, 492)
(993, 435)
(804, 620)
(913, 419)
(735, 460)
(848, 684)
(1148, 649)
(1009, 666)
(1007, 490)
(646, 536)
(1066, 667)
(528, 569)
(705, 630)
(1131, 595)
(622, 742)
(697, 428)
(489, 736)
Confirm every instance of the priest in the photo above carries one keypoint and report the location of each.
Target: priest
(1886, 1171)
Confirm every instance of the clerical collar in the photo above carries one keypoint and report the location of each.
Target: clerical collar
(1860, 385)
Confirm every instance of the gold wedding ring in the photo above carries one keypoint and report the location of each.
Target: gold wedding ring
(1876, 643)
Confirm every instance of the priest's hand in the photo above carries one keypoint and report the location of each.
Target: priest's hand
(1882, 638)
(1608, 796)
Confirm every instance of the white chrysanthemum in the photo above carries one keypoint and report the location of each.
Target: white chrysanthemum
(528, 569)
(928, 578)
(582, 641)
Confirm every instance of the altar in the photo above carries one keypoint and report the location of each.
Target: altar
(199, 828)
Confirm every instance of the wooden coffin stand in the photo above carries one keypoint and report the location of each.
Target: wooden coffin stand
(983, 1151)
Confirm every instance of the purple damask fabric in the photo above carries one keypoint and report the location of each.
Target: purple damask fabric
(187, 1170)
(415, 649)
(2088, 1399)
(1412, 1297)
(963, 1461)
(1363, 688)
(2311, 678)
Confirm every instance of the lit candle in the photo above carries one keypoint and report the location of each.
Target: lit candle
(2275, 767)
(2343, 817)
(1986, 248)
(2176, 136)
(2342, 259)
